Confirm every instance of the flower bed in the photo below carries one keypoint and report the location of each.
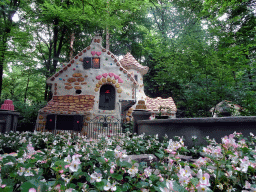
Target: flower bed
(43, 162)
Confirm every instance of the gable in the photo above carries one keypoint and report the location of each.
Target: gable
(93, 61)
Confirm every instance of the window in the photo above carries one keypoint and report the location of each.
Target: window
(136, 77)
(96, 62)
(91, 62)
(64, 122)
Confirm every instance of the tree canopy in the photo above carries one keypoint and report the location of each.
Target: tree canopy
(198, 52)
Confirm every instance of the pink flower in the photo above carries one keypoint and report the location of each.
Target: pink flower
(32, 190)
(67, 166)
(61, 171)
(201, 161)
(111, 170)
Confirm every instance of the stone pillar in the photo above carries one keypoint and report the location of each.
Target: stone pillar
(11, 120)
(139, 115)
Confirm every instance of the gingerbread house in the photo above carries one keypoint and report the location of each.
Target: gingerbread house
(95, 83)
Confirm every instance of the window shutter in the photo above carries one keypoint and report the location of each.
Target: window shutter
(87, 62)
(50, 122)
(78, 123)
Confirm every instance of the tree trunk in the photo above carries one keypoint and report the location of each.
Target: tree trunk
(2, 53)
(25, 96)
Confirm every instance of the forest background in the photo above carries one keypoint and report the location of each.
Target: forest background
(198, 52)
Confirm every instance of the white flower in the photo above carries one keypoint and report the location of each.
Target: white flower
(147, 172)
(220, 186)
(67, 159)
(194, 137)
(65, 179)
(20, 160)
(201, 188)
(9, 163)
(133, 171)
(21, 171)
(110, 187)
(247, 185)
(96, 177)
(203, 178)
(28, 172)
(244, 164)
(74, 166)
(76, 158)
(55, 142)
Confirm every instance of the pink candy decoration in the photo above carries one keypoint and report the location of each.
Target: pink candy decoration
(116, 76)
(98, 77)
(8, 105)
(120, 80)
(105, 75)
(93, 53)
(111, 74)
(98, 53)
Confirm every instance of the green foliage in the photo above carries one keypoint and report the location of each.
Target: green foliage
(198, 52)
(28, 113)
(128, 127)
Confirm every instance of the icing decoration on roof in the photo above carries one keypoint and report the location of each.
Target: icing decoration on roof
(153, 104)
(129, 62)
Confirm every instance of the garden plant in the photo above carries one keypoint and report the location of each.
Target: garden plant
(41, 161)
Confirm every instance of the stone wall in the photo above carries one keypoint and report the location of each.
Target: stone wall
(200, 127)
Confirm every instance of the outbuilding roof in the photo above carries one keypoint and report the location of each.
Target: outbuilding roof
(153, 104)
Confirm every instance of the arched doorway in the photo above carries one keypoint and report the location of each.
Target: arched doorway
(107, 97)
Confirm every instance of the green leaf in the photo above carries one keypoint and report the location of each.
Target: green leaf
(126, 187)
(194, 181)
(109, 154)
(26, 186)
(101, 160)
(142, 184)
(177, 187)
(100, 185)
(159, 155)
(50, 183)
(117, 176)
(125, 164)
(6, 189)
(153, 178)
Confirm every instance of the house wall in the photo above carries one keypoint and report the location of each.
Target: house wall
(140, 95)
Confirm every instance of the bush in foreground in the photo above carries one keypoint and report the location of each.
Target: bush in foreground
(43, 162)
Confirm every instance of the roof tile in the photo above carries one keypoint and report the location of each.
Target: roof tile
(69, 104)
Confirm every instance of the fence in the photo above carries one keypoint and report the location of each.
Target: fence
(103, 125)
